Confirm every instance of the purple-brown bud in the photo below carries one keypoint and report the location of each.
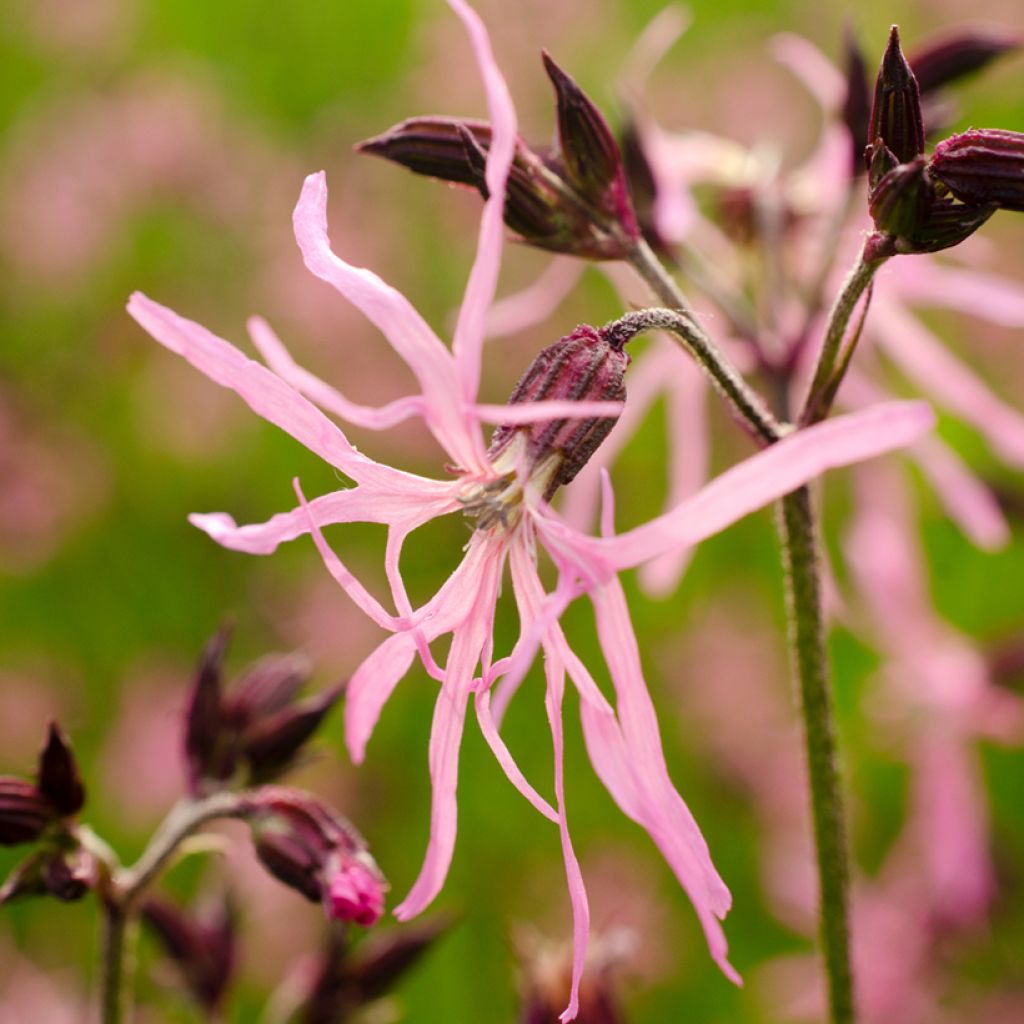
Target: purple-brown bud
(24, 812)
(253, 730)
(203, 947)
(982, 167)
(63, 870)
(896, 112)
(942, 61)
(311, 848)
(899, 202)
(857, 101)
(59, 780)
(589, 152)
(586, 365)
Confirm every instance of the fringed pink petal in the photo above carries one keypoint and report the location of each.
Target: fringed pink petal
(530, 599)
(818, 75)
(370, 687)
(329, 399)
(524, 309)
(969, 502)
(761, 479)
(689, 454)
(396, 319)
(483, 278)
(264, 392)
(997, 299)
(921, 356)
(504, 757)
(468, 645)
(538, 412)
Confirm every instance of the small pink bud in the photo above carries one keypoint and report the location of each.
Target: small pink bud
(355, 892)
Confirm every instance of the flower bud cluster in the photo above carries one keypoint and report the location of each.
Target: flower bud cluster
(256, 729)
(923, 205)
(39, 812)
(570, 199)
(311, 848)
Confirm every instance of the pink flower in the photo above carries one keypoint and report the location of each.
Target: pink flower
(623, 741)
(354, 893)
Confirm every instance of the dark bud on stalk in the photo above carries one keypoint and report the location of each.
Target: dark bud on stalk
(345, 979)
(857, 101)
(896, 112)
(983, 166)
(202, 947)
(24, 812)
(590, 154)
(311, 848)
(254, 732)
(59, 780)
(208, 755)
(69, 873)
(899, 202)
(943, 61)
(643, 188)
(586, 365)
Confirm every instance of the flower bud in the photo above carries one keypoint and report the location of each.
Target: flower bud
(590, 154)
(310, 848)
(945, 60)
(202, 947)
(857, 101)
(208, 754)
(899, 202)
(69, 874)
(24, 812)
(983, 166)
(59, 780)
(265, 687)
(586, 365)
(896, 112)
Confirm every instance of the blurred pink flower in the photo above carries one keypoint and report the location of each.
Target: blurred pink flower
(623, 743)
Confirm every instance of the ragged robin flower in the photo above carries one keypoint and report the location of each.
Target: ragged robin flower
(541, 442)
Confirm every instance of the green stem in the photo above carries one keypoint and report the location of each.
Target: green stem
(807, 626)
(807, 637)
(126, 887)
(842, 310)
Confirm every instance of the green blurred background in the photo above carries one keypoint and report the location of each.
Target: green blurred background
(160, 146)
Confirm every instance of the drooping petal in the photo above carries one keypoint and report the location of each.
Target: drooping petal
(370, 687)
(994, 298)
(755, 482)
(546, 409)
(504, 757)
(329, 399)
(397, 320)
(921, 356)
(471, 328)
(264, 392)
(469, 642)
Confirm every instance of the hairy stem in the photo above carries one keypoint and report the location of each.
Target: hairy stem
(807, 636)
(822, 383)
(126, 887)
(798, 530)
(748, 406)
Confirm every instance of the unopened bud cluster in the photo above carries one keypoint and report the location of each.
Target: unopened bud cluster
(570, 199)
(923, 205)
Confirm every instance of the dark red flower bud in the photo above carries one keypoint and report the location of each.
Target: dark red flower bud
(857, 101)
(69, 874)
(272, 744)
(265, 687)
(59, 780)
(941, 61)
(311, 848)
(203, 947)
(586, 365)
(900, 200)
(590, 154)
(24, 812)
(643, 188)
(896, 112)
(209, 756)
(983, 166)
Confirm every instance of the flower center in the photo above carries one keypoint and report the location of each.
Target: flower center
(498, 500)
